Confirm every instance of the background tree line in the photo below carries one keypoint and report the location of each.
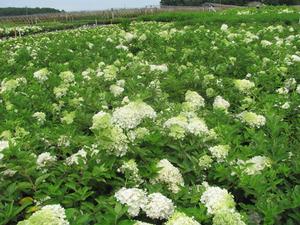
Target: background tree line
(230, 2)
(12, 11)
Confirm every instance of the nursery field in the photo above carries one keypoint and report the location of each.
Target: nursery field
(183, 122)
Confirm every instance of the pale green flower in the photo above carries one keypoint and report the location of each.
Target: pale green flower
(230, 217)
(47, 215)
(179, 218)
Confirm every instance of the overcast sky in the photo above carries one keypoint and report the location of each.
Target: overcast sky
(77, 5)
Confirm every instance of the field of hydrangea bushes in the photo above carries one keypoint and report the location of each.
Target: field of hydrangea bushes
(151, 123)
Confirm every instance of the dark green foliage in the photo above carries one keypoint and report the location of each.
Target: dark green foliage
(12, 11)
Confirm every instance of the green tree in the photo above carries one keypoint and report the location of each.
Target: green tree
(12, 11)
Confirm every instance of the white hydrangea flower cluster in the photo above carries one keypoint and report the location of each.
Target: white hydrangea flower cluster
(102, 122)
(8, 86)
(68, 117)
(252, 119)
(244, 85)
(216, 199)
(135, 199)
(182, 125)
(197, 126)
(67, 77)
(177, 126)
(155, 85)
(220, 152)
(109, 72)
(224, 27)
(193, 100)
(254, 165)
(40, 117)
(295, 58)
(74, 159)
(60, 91)
(159, 68)
(49, 214)
(298, 89)
(282, 91)
(221, 103)
(45, 159)
(205, 162)
(138, 134)
(7, 172)
(3, 145)
(220, 203)
(228, 217)
(130, 167)
(289, 85)
(158, 206)
(119, 142)
(286, 105)
(179, 218)
(265, 43)
(132, 114)
(118, 88)
(129, 37)
(155, 205)
(41, 75)
(169, 175)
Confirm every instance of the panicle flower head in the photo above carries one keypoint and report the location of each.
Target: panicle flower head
(8, 86)
(67, 77)
(224, 27)
(244, 85)
(205, 162)
(44, 159)
(101, 120)
(40, 117)
(170, 175)
(252, 119)
(119, 141)
(221, 103)
(131, 115)
(220, 152)
(179, 218)
(134, 198)
(158, 206)
(116, 90)
(177, 126)
(130, 167)
(74, 159)
(216, 199)
(197, 126)
(228, 217)
(49, 214)
(255, 165)
(41, 75)
(194, 100)
(186, 123)
(138, 134)
(160, 68)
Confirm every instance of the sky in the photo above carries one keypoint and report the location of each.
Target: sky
(78, 5)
